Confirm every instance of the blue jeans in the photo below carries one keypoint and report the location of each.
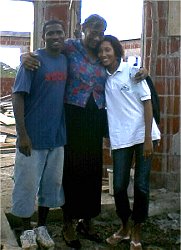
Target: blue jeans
(122, 162)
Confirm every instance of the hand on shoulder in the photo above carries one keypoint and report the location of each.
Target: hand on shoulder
(30, 61)
(141, 75)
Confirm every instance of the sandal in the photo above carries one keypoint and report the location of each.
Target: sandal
(70, 238)
(117, 237)
(135, 246)
(83, 229)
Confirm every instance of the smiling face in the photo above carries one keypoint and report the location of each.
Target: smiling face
(107, 56)
(93, 36)
(93, 29)
(54, 37)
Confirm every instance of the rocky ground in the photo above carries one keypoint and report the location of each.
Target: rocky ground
(160, 232)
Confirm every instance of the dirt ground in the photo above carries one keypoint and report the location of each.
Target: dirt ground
(154, 236)
(160, 232)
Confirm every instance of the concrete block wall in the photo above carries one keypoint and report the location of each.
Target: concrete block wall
(15, 40)
(6, 85)
(131, 47)
(11, 39)
(164, 66)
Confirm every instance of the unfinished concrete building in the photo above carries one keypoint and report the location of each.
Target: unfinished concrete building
(160, 51)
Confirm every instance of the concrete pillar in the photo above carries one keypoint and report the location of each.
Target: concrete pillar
(39, 19)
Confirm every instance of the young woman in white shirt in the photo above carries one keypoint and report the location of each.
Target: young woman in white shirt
(133, 133)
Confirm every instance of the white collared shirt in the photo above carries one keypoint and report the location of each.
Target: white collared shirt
(125, 108)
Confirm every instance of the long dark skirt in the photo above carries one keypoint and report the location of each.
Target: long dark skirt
(82, 179)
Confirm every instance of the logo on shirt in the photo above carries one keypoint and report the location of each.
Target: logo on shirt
(55, 76)
(125, 88)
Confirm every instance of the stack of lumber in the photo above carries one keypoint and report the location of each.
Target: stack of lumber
(7, 125)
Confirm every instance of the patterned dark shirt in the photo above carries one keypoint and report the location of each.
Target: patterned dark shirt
(85, 76)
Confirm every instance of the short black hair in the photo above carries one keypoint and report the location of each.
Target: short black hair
(94, 20)
(51, 22)
(118, 48)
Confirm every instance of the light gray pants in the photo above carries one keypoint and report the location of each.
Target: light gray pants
(38, 175)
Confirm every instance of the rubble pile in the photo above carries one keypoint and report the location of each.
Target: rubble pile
(7, 124)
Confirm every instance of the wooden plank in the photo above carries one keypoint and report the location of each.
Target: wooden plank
(7, 145)
(6, 97)
(6, 104)
(9, 113)
(3, 138)
(7, 120)
(7, 150)
(6, 162)
(5, 156)
(10, 140)
(7, 130)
